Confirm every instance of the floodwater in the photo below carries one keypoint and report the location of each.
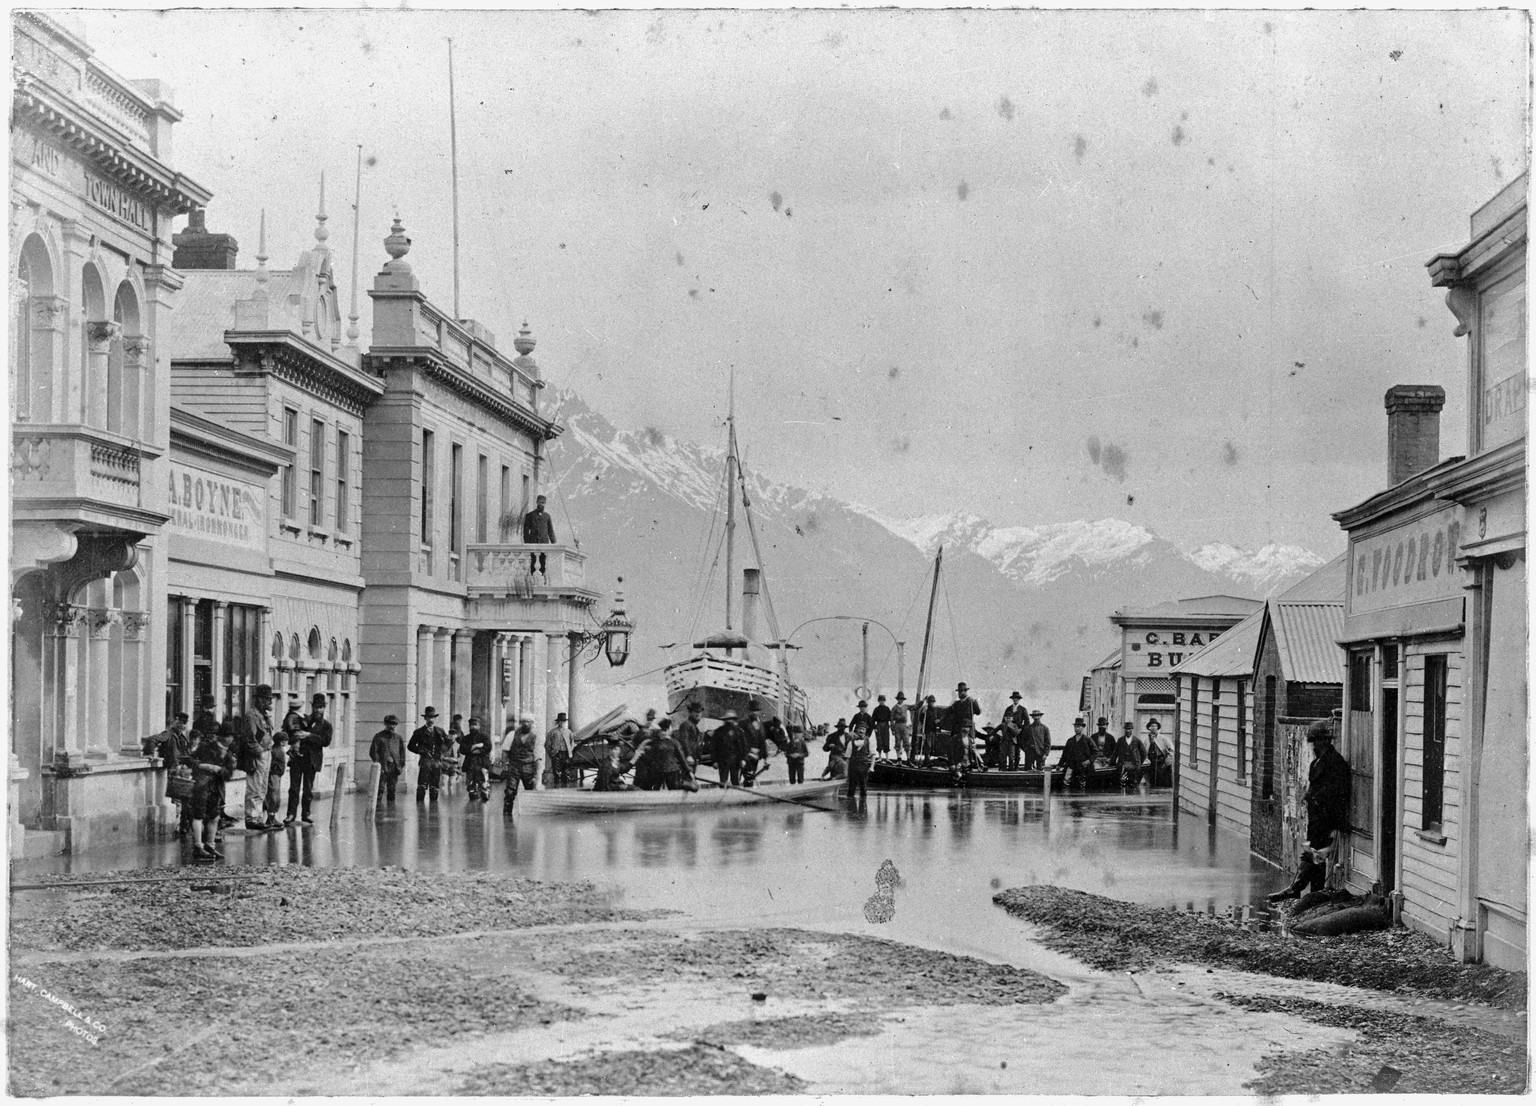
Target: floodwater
(774, 863)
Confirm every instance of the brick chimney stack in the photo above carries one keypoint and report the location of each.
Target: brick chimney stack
(197, 249)
(1413, 430)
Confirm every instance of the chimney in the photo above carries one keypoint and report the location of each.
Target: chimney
(751, 586)
(1413, 430)
(197, 249)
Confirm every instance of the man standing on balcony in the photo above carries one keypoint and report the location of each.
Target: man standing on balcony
(538, 529)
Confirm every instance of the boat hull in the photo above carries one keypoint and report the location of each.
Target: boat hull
(897, 774)
(720, 684)
(570, 800)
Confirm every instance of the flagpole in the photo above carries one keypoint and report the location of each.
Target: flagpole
(453, 153)
(357, 210)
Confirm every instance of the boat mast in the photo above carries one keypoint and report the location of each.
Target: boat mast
(922, 665)
(730, 502)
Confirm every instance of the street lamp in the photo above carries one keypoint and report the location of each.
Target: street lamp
(615, 632)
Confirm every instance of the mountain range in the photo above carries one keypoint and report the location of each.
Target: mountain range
(1022, 607)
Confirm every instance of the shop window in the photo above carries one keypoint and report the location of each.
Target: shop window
(1360, 751)
(175, 657)
(1389, 662)
(1242, 731)
(244, 664)
(1360, 679)
(1435, 680)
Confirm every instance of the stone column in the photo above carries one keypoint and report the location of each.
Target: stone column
(66, 631)
(574, 705)
(220, 660)
(556, 658)
(99, 338)
(440, 670)
(188, 636)
(131, 679)
(135, 356)
(527, 677)
(268, 661)
(497, 705)
(100, 732)
(463, 651)
(514, 651)
(423, 674)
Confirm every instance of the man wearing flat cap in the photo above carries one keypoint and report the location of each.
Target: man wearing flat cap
(1327, 801)
(253, 754)
(1037, 742)
(388, 752)
(306, 758)
(538, 529)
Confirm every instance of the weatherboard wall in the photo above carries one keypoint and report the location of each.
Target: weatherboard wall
(1431, 856)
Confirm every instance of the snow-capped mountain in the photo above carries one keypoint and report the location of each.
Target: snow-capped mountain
(1022, 607)
(1040, 554)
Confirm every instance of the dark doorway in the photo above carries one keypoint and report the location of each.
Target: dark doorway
(1387, 862)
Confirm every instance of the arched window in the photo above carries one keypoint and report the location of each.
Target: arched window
(314, 643)
(32, 348)
(346, 651)
(277, 647)
(293, 647)
(333, 652)
(123, 390)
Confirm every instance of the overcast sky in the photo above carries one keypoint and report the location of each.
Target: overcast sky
(1036, 265)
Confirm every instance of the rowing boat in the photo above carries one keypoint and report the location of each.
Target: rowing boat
(571, 800)
(895, 773)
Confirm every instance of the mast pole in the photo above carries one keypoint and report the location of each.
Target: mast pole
(453, 157)
(730, 503)
(933, 596)
(357, 214)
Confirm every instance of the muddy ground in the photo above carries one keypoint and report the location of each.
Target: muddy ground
(293, 981)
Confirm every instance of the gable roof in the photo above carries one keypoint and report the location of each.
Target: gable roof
(1111, 661)
(1231, 654)
(1307, 639)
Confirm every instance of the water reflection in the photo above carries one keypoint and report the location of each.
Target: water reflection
(774, 862)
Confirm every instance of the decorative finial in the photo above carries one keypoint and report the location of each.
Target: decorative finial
(525, 341)
(261, 250)
(321, 234)
(397, 245)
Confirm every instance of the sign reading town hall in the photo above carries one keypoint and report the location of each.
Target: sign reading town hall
(216, 508)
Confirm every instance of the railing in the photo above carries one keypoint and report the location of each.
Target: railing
(514, 569)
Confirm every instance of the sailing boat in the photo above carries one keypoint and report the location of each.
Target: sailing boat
(935, 768)
(724, 674)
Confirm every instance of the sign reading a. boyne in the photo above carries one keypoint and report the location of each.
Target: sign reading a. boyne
(217, 509)
(1411, 563)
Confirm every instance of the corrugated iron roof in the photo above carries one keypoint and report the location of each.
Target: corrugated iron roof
(1111, 661)
(1231, 654)
(1307, 636)
(1324, 585)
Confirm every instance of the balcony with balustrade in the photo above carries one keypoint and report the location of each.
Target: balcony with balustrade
(536, 587)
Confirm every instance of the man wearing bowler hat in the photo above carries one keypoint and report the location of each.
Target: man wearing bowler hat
(1103, 741)
(305, 759)
(430, 743)
(963, 713)
(388, 752)
(1015, 719)
(1327, 800)
(1037, 742)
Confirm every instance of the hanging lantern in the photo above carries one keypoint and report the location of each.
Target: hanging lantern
(617, 630)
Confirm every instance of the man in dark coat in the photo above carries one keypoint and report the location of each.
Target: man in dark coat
(429, 742)
(730, 747)
(388, 752)
(861, 759)
(1077, 755)
(1010, 744)
(305, 759)
(1037, 742)
(1103, 741)
(862, 716)
(963, 713)
(881, 717)
(521, 747)
(538, 529)
(475, 748)
(1130, 756)
(1327, 801)
(901, 726)
(689, 736)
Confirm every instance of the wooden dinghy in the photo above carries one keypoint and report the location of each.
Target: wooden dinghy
(571, 800)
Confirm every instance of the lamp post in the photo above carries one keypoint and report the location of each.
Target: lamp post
(901, 646)
(614, 635)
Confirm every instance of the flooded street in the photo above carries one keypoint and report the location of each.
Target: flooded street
(775, 870)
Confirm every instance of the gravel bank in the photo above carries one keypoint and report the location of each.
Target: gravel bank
(291, 904)
(1400, 1053)
(1120, 936)
(804, 1031)
(696, 1070)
